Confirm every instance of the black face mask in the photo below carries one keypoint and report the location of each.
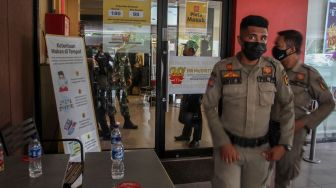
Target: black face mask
(254, 50)
(280, 54)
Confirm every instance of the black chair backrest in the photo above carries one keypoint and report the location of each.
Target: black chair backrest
(75, 169)
(18, 136)
(68, 140)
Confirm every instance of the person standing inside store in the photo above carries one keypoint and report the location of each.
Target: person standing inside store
(102, 107)
(308, 86)
(190, 109)
(248, 84)
(205, 48)
(120, 80)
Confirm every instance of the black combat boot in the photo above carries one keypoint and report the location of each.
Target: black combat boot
(112, 121)
(129, 124)
(103, 124)
(196, 136)
(186, 133)
(106, 132)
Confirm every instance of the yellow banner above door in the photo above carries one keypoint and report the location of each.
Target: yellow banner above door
(136, 12)
(196, 14)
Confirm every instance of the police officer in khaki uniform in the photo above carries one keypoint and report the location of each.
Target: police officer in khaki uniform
(248, 84)
(307, 85)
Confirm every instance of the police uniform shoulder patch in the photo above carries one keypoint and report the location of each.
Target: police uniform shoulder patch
(212, 79)
(322, 84)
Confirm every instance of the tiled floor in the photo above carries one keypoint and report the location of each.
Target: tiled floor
(143, 115)
(312, 176)
(321, 175)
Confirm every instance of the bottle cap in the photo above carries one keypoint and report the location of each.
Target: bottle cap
(34, 136)
(128, 185)
(116, 125)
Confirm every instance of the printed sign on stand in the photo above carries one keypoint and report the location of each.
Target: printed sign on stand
(74, 102)
(189, 75)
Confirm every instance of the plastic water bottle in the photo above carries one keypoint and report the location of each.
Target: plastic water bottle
(2, 159)
(115, 135)
(35, 154)
(117, 154)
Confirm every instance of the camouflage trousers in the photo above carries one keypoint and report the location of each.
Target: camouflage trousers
(106, 105)
(122, 98)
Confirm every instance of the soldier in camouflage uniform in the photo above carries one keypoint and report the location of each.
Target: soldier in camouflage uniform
(307, 85)
(248, 84)
(102, 93)
(120, 80)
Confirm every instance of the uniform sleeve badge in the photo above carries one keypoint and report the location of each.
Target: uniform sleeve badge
(211, 82)
(212, 79)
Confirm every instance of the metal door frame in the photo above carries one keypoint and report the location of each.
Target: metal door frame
(227, 27)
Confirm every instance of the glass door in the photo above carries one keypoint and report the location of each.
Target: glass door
(154, 48)
(194, 35)
(125, 30)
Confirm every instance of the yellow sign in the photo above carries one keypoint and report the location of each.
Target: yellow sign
(196, 14)
(127, 12)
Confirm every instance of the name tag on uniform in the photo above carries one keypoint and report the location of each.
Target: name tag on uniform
(231, 77)
(264, 78)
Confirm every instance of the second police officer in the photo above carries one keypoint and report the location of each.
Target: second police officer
(248, 84)
(308, 86)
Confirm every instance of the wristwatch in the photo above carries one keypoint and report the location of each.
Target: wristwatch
(287, 147)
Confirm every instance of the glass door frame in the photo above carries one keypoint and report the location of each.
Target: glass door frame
(227, 28)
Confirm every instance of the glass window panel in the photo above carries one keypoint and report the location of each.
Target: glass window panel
(138, 43)
(320, 53)
(188, 75)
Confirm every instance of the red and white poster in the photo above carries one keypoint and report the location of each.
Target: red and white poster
(189, 75)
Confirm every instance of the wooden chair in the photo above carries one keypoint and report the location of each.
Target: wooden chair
(16, 137)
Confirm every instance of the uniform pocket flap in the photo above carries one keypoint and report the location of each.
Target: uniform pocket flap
(265, 87)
